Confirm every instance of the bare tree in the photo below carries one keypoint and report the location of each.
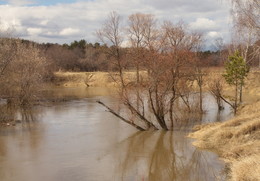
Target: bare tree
(179, 43)
(221, 50)
(246, 14)
(246, 19)
(150, 103)
(7, 47)
(216, 89)
(111, 34)
(24, 72)
(140, 29)
(137, 28)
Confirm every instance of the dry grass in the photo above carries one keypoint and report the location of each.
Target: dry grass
(251, 89)
(105, 79)
(93, 79)
(247, 169)
(81, 79)
(237, 141)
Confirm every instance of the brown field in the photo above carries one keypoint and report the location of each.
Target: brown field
(251, 89)
(92, 79)
(105, 79)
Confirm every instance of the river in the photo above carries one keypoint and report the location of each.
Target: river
(77, 140)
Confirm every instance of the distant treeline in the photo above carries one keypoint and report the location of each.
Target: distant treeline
(83, 56)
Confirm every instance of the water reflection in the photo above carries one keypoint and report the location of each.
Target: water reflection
(18, 121)
(11, 114)
(160, 155)
(73, 93)
(78, 140)
(212, 113)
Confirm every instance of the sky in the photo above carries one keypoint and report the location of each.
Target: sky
(63, 21)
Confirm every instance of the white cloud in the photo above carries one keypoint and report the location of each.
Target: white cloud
(44, 22)
(34, 31)
(49, 33)
(69, 31)
(214, 34)
(10, 25)
(203, 24)
(63, 23)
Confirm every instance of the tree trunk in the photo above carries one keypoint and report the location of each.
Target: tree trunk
(120, 117)
(236, 95)
(240, 93)
(201, 108)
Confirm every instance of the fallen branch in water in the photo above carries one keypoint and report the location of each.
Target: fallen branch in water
(120, 117)
(150, 124)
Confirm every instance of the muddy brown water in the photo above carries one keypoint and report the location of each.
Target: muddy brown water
(78, 140)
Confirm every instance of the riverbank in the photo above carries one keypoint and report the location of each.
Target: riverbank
(107, 79)
(92, 79)
(237, 142)
(251, 91)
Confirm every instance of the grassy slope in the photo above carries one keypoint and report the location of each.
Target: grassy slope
(237, 141)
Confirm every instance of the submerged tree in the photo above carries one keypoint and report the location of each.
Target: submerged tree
(163, 55)
(22, 70)
(216, 89)
(236, 71)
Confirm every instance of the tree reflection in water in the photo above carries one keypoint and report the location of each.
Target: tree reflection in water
(28, 115)
(20, 137)
(160, 155)
(11, 114)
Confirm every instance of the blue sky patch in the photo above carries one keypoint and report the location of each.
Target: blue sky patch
(40, 2)
(52, 2)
